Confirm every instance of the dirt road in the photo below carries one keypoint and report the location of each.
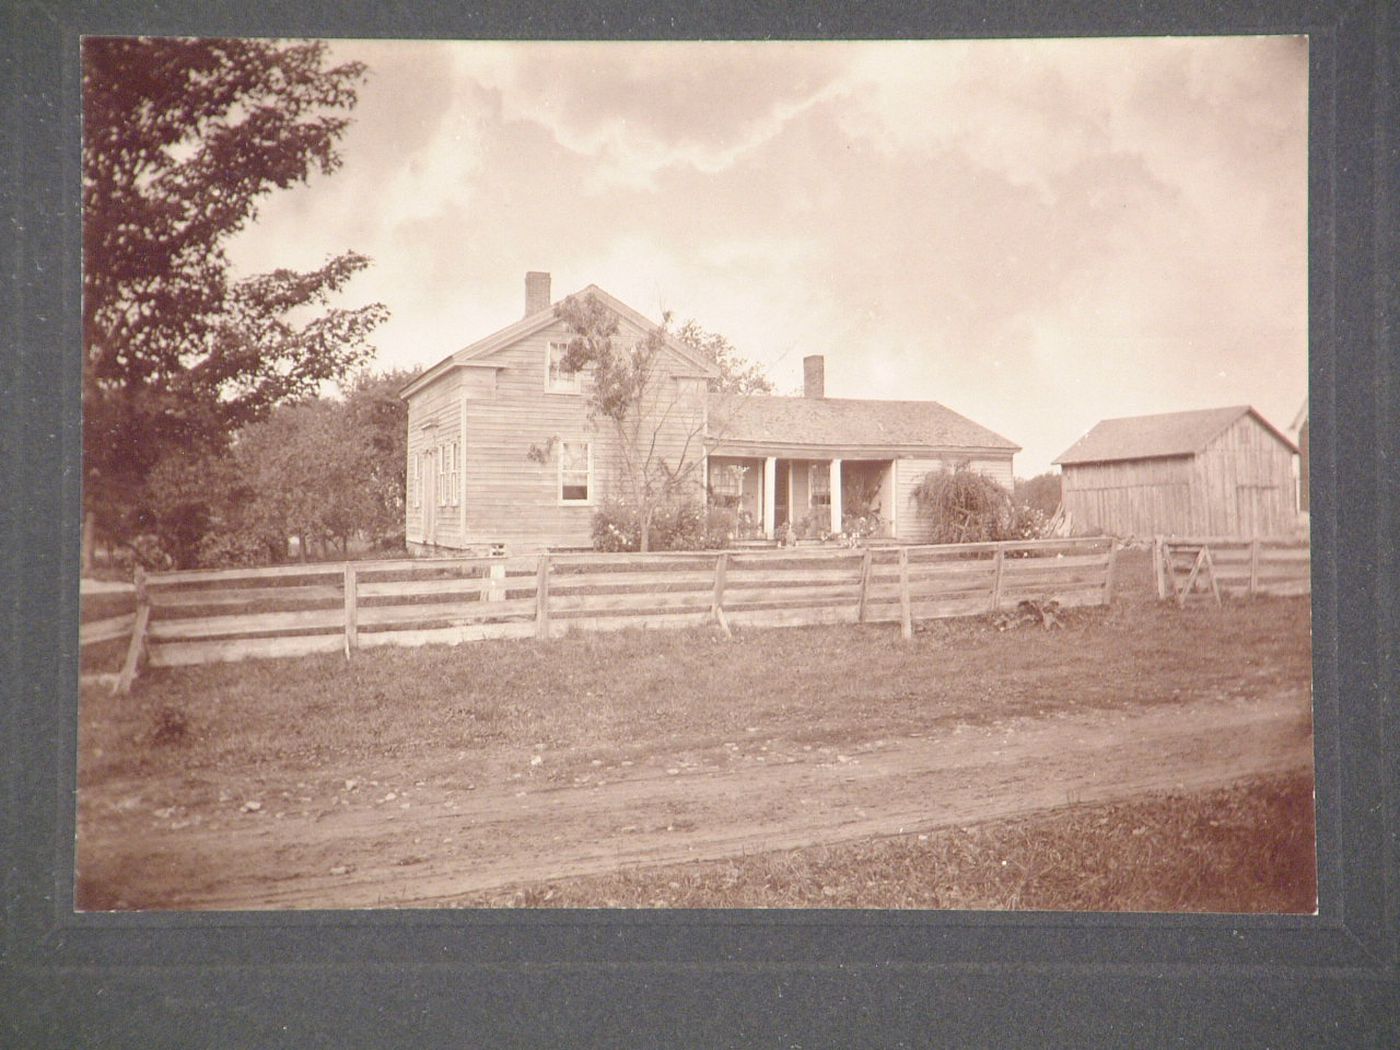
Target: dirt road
(424, 846)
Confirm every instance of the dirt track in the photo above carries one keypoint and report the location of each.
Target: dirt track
(425, 846)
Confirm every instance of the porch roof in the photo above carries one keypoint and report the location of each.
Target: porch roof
(780, 425)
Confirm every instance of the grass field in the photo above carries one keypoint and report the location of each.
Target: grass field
(190, 747)
(1247, 847)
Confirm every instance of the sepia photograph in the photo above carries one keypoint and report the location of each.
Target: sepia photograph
(704, 475)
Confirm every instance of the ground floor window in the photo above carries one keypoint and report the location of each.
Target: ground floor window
(575, 472)
(820, 484)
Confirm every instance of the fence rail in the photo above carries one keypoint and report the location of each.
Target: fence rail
(203, 616)
(1275, 566)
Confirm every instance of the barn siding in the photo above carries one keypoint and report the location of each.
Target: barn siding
(1245, 478)
(1138, 497)
(1241, 484)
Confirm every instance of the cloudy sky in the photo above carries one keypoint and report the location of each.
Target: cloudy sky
(1038, 234)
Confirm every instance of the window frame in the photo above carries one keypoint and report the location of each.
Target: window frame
(822, 471)
(587, 501)
(452, 462)
(557, 381)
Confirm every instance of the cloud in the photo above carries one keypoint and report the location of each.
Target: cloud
(1037, 233)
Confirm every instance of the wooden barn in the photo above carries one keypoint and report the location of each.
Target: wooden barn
(1215, 472)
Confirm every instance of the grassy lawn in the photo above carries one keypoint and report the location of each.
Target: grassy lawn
(598, 695)
(453, 718)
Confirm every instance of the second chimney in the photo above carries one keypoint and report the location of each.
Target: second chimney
(536, 292)
(814, 376)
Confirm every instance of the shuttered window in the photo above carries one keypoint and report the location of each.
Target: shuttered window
(450, 474)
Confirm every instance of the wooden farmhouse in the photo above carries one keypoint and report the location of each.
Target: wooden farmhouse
(1214, 472)
(503, 457)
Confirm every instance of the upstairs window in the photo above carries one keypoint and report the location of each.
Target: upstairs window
(557, 379)
(575, 472)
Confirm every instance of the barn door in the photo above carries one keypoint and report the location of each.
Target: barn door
(1250, 512)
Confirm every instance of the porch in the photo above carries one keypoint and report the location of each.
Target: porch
(777, 496)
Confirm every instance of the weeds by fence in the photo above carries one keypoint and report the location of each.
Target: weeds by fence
(203, 616)
(1184, 565)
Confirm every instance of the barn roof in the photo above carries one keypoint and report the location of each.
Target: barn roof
(845, 423)
(1167, 434)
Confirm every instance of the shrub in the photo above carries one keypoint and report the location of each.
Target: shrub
(966, 507)
(685, 525)
(858, 527)
(222, 550)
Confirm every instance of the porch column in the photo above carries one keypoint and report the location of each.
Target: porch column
(770, 494)
(836, 495)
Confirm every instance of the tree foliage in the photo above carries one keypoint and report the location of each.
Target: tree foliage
(303, 470)
(323, 470)
(181, 140)
(1041, 493)
(379, 420)
(736, 375)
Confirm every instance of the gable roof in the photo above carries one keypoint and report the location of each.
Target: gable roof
(1301, 417)
(846, 423)
(541, 319)
(1167, 434)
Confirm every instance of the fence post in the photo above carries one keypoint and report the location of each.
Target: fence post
(997, 559)
(352, 625)
(717, 609)
(1108, 576)
(1158, 553)
(1185, 592)
(1253, 565)
(542, 598)
(1210, 568)
(906, 618)
(864, 583)
(136, 648)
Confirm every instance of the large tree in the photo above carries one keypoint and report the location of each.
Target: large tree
(181, 140)
(659, 430)
(379, 421)
(662, 431)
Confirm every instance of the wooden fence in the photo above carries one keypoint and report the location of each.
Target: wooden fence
(1216, 564)
(199, 616)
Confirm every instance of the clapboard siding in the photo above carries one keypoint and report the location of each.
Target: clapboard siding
(1239, 484)
(513, 499)
(912, 522)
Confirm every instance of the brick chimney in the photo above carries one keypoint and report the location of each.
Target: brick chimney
(536, 292)
(814, 376)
